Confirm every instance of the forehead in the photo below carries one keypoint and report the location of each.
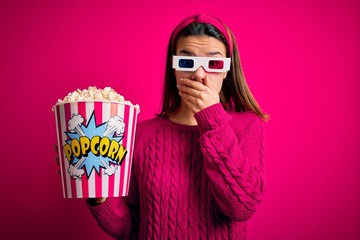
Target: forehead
(200, 45)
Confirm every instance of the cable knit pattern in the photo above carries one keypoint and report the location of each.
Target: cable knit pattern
(191, 182)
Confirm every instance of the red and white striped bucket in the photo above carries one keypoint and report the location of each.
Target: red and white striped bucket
(95, 140)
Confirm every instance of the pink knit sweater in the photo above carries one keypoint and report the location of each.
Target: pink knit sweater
(191, 182)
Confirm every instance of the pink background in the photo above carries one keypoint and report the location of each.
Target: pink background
(301, 60)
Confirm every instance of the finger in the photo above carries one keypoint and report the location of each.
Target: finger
(193, 107)
(195, 104)
(193, 88)
(188, 97)
(188, 90)
(192, 84)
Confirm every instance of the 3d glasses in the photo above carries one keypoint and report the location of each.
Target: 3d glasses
(210, 64)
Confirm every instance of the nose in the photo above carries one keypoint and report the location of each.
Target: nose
(199, 74)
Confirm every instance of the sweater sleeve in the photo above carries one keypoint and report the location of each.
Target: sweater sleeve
(113, 216)
(118, 216)
(233, 160)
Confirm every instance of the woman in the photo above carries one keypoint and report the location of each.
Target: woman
(198, 166)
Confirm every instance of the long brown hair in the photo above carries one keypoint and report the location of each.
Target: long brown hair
(235, 94)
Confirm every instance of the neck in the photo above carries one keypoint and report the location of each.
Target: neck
(183, 116)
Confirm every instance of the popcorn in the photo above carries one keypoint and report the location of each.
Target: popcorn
(93, 93)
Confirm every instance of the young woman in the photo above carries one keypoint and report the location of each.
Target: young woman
(198, 168)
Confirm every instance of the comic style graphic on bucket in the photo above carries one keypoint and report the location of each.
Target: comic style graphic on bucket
(95, 140)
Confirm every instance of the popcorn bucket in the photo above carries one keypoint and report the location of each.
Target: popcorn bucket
(95, 140)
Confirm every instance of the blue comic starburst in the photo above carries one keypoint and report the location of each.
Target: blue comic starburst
(92, 161)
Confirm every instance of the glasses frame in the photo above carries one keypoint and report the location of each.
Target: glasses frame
(200, 62)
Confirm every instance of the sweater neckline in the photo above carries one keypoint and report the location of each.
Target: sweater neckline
(178, 126)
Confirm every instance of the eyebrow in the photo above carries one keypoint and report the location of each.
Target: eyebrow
(186, 52)
(214, 53)
(208, 54)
